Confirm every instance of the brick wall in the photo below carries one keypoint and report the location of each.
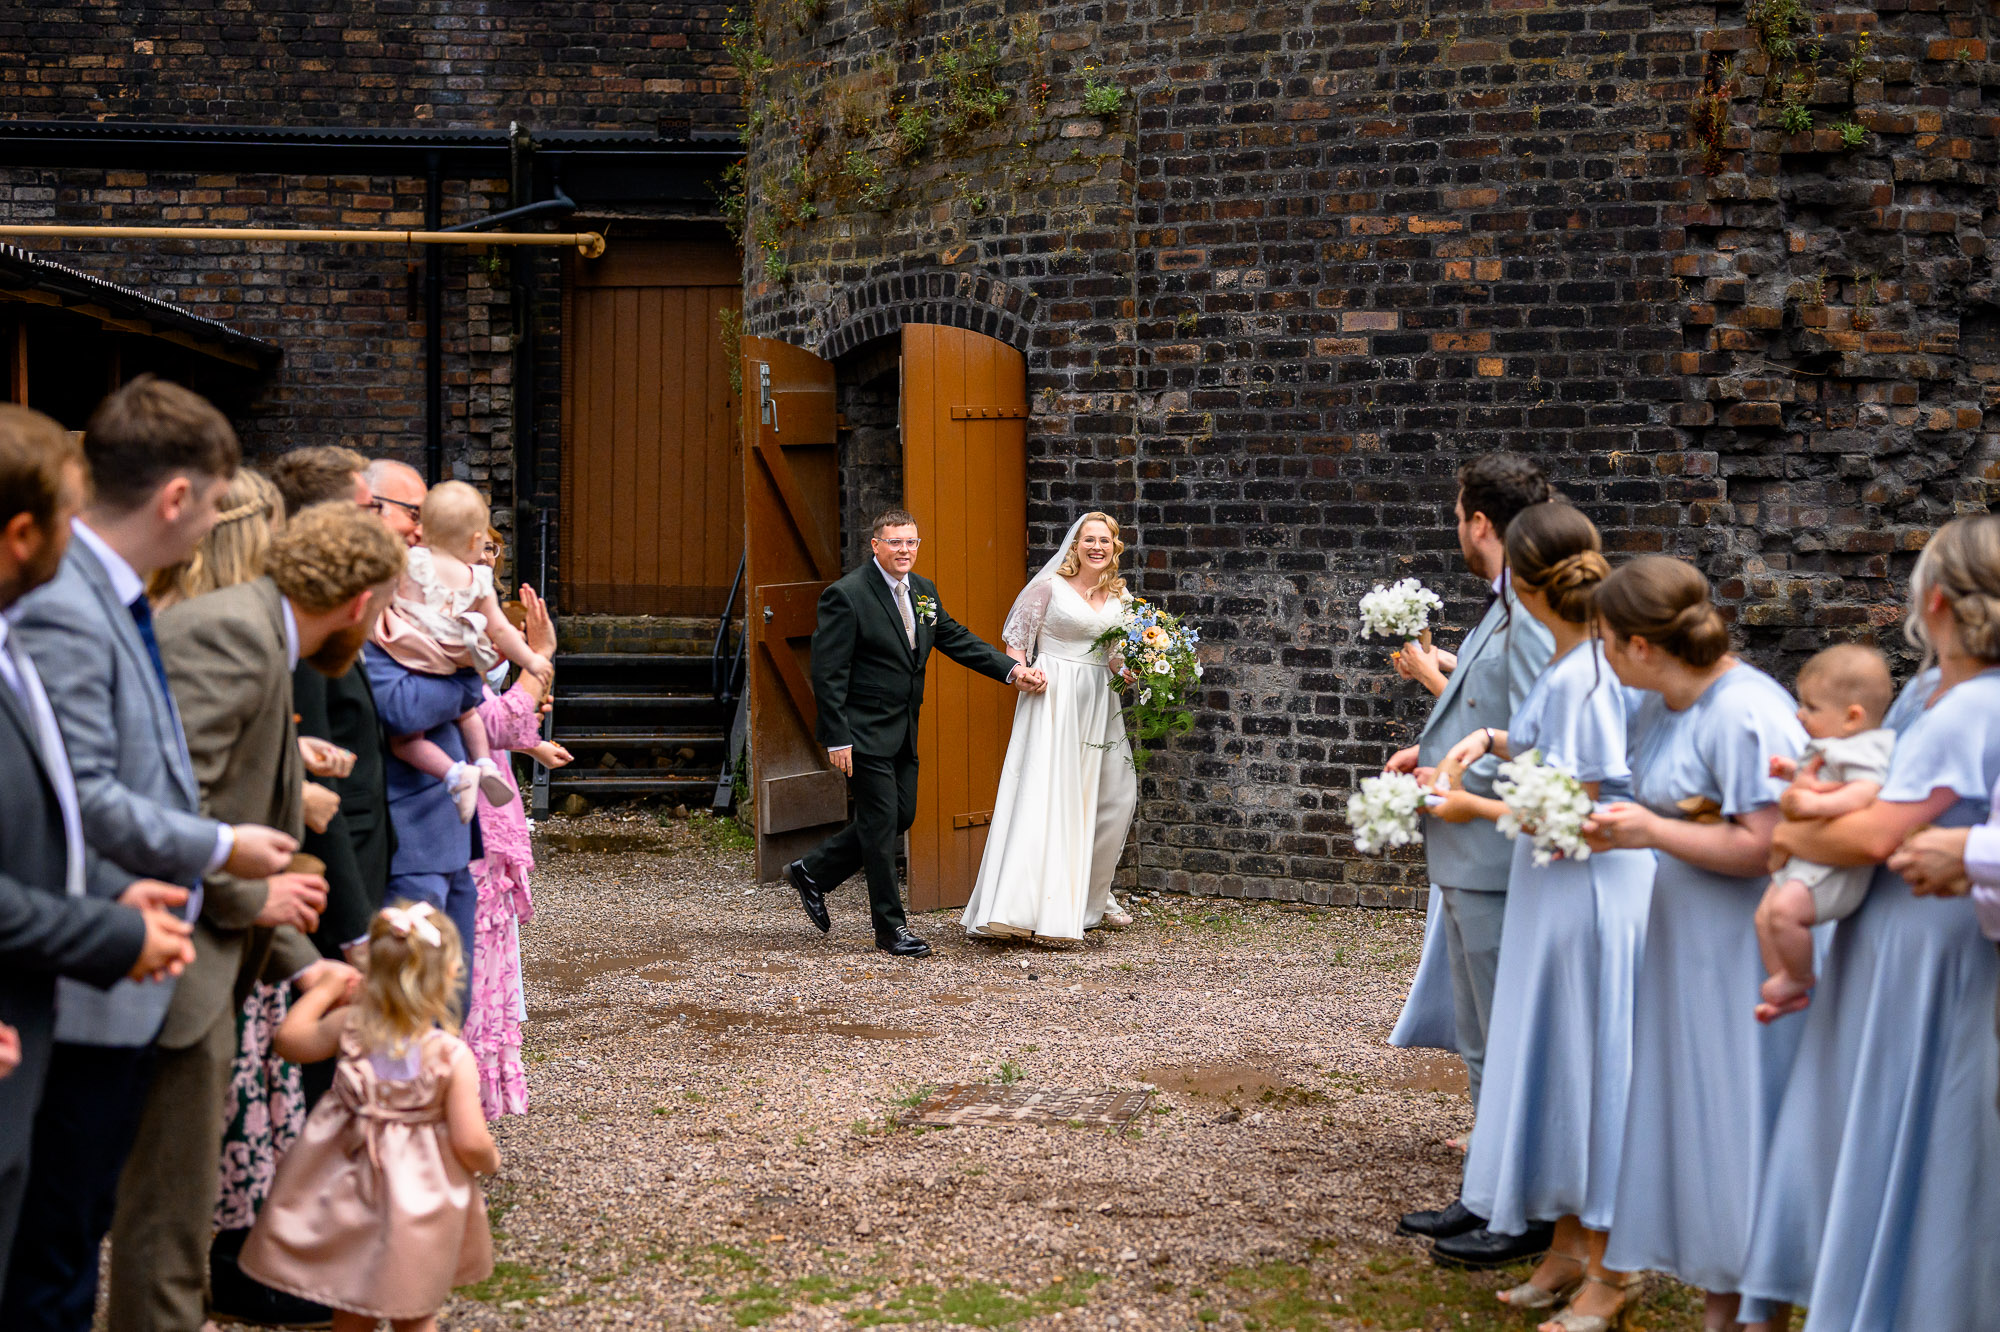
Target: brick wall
(1324, 252)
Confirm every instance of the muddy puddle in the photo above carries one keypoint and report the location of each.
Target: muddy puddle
(1432, 1071)
(1220, 1081)
(600, 843)
(573, 973)
(728, 1022)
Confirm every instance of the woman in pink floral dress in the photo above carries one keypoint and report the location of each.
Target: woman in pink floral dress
(493, 1020)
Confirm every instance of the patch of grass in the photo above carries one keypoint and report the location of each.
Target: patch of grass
(912, 1099)
(510, 1281)
(1010, 1073)
(977, 1304)
(721, 834)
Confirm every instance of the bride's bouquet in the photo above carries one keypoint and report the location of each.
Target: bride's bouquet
(1160, 650)
(1383, 812)
(1401, 611)
(1546, 803)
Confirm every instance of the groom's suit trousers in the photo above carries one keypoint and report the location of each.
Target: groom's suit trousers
(885, 805)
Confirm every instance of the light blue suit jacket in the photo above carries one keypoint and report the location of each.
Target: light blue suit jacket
(134, 783)
(1497, 663)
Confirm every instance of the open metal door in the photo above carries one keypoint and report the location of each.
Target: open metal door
(965, 480)
(791, 519)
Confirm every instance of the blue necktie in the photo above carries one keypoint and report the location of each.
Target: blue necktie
(142, 615)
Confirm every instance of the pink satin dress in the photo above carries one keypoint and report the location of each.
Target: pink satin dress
(371, 1211)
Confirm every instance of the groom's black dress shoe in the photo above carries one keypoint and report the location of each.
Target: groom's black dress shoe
(811, 896)
(1456, 1219)
(1483, 1248)
(903, 944)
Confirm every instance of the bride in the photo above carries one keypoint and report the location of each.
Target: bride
(1068, 789)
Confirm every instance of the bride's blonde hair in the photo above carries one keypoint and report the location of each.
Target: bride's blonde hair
(1073, 563)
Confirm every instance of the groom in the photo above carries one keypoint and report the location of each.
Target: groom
(877, 627)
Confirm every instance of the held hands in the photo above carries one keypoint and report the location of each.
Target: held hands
(321, 805)
(295, 900)
(169, 942)
(259, 852)
(1621, 824)
(323, 758)
(1029, 680)
(540, 667)
(337, 979)
(1932, 862)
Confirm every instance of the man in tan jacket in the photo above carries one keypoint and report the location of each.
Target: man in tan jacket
(230, 656)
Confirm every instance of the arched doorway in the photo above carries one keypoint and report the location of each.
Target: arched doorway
(964, 410)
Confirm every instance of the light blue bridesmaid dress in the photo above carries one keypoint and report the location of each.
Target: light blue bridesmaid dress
(1427, 1021)
(1706, 1075)
(1881, 1204)
(1551, 1119)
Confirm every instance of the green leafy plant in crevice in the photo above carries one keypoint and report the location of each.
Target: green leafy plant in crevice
(898, 16)
(1779, 26)
(969, 94)
(729, 328)
(1102, 97)
(1708, 117)
(771, 245)
(910, 131)
(1793, 114)
(734, 196)
(1851, 134)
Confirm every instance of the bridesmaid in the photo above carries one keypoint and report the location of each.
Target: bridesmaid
(1552, 1114)
(1706, 1075)
(1881, 1208)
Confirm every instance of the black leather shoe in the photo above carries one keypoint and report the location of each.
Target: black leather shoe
(811, 896)
(1441, 1224)
(903, 944)
(240, 1298)
(1483, 1248)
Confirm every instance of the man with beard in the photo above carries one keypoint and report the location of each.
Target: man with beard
(160, 458)
(230, 656)
(50, 926)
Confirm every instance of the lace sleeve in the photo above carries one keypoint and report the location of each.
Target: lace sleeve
(1023, 630)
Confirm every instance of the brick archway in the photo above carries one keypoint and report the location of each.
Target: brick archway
(881, 306)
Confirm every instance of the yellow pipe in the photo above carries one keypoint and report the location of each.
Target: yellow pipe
(589, 244)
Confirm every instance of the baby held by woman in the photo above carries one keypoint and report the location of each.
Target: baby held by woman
(1843, 694)
(445, 618)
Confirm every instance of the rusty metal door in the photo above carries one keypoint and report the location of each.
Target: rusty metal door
(791, 493)
(652, 498)
(965, 480)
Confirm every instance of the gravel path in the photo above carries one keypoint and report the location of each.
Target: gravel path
(715, 1090)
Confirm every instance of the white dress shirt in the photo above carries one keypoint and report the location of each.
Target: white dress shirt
(128, 587)
(903, 584)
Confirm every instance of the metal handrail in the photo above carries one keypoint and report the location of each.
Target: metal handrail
(722, 679)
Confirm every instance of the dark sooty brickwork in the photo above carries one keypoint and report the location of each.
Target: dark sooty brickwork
(1278, 268)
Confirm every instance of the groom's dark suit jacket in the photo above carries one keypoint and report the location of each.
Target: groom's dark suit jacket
(867, 681)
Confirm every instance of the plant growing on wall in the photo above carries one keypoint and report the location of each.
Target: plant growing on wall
(1102, 97)
(969, 94)
(1708, 118)
(898, 16)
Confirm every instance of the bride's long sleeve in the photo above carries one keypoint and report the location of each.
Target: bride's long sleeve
(1023, 630)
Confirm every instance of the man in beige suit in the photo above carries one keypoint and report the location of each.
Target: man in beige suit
(230, 656)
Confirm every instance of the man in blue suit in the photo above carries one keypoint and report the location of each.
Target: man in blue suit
(434, 851)
(1468, 859)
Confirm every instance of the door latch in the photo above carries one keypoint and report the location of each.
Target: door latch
(767, 405)
(768, 613)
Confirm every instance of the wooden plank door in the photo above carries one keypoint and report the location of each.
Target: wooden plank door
(965, 480)
(652, 497)
(791, 491)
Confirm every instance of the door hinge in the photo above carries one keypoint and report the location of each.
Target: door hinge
(988, 413)
(971, 820)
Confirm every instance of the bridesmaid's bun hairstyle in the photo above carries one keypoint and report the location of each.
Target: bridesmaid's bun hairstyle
(1962, 561)
(1667, 603)
(1554, 550)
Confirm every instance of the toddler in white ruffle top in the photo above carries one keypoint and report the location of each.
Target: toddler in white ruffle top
(446, 617)
(1843, 694)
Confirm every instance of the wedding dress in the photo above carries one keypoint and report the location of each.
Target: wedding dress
(1067, 789)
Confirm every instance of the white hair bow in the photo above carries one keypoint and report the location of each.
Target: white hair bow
(404, 921)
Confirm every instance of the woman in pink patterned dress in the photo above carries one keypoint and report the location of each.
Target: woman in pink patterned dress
(493, 1019)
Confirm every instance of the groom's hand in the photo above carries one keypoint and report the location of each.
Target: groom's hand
(1029, 680)
(842, 759)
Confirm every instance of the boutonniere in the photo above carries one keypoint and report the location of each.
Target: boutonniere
(927, 609)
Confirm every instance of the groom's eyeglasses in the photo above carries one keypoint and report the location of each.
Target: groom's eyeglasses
(910, 544)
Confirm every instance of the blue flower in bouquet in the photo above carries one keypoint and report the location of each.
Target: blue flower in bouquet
(1154, 646)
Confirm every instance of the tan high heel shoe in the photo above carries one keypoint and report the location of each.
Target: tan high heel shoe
(1528, 1295)
(1627, 1286)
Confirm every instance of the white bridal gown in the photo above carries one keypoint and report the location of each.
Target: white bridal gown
(1067, 790)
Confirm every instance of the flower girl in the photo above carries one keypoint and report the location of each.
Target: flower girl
(446, 617)
(375, 1211)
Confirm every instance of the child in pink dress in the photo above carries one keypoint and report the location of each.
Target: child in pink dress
(446, 617)
(376, 1212)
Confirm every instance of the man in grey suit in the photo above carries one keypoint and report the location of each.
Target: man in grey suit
(230, 657)
(1468, 858)
(160, 458)
(50, 927)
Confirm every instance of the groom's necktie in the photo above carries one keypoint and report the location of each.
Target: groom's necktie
(903, 608)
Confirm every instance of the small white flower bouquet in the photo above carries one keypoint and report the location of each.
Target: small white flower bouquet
(1546, 803)
(1384, 812)
(1401, 611)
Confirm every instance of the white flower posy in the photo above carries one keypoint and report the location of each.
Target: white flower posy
(1383, 812)
(1545, 802)
(1402, 610)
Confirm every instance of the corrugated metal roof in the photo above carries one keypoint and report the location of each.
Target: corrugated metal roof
(24, 269)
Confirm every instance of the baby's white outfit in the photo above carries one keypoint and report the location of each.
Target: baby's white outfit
(1862, 757)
